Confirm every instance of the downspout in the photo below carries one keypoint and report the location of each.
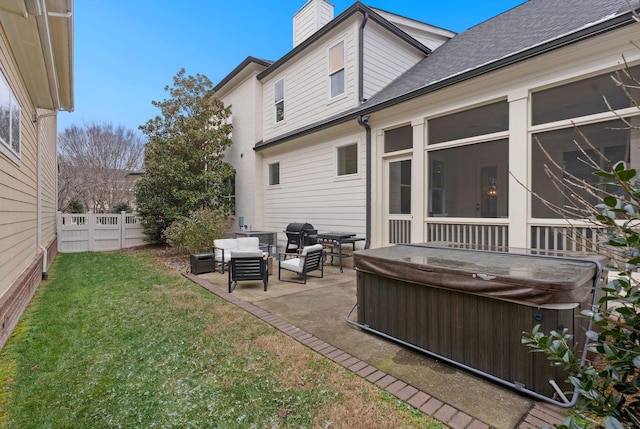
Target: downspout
(364, 122)
(361, 58)
(45, 253)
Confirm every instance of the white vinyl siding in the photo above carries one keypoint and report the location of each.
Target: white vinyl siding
(245, 101)
(307, 88)
(309, 191)
(313, 16)
(385, 58)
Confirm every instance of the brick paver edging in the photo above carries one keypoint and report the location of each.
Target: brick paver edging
(445, 413)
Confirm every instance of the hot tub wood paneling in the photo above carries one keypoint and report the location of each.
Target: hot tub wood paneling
(478, 331)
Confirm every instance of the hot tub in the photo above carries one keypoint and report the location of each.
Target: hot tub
(470, 307)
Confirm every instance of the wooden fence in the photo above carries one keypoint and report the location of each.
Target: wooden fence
(92, 232)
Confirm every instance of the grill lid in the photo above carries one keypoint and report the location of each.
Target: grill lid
(298, 227)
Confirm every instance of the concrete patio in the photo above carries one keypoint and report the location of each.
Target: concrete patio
(315, 315)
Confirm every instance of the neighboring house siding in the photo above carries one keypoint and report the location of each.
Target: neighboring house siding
(48, 178)
(307, 86)
(309, 190)
(18, 192)
(21, 257)
(385, 58)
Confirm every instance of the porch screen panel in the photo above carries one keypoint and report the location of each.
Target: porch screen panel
(610, 138)
(470, 181)
(584, 97)
(488, 119)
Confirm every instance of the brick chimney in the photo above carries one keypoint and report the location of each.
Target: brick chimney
(312, 17)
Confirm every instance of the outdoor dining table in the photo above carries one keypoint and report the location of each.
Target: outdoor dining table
(333, 241)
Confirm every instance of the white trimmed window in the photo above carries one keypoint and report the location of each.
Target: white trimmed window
(347, 157)
(336, 69)
(278, 99)
(9, 118)
(274, 174)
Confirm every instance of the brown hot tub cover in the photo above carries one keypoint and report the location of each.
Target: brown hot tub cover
(529, 279)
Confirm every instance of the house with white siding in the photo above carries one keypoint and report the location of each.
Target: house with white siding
(401, 131)
(36, 82)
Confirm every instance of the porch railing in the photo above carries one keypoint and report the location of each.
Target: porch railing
(495, 236)
(476, 234)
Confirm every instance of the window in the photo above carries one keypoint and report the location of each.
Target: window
(336, 69)
(398, 139)
(488, 119)
(278, 96)
(274, 174)
(9, 118)
(347, 159)
(400, 187)
(230, 192)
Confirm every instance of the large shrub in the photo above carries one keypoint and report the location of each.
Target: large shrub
(196, 232)
(184, 166)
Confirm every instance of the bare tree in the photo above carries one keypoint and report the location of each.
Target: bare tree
(94, 161)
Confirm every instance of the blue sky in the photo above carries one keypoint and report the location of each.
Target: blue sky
(127, 51)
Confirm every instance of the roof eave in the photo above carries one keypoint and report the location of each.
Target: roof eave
(357, 7)
(580, 35)
(235, 72)
(47, 70)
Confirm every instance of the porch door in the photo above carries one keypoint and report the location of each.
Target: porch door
(398, 200)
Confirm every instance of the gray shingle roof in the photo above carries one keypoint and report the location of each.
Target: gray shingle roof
(517, 30)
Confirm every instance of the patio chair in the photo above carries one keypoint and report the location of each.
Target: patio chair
(247, 265)
(310, 259)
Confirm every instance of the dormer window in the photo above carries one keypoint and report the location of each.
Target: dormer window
(336, 69)
(278, 97)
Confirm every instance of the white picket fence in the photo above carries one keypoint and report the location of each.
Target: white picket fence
(93, 232)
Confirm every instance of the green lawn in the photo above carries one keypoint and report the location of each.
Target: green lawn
(117, 340)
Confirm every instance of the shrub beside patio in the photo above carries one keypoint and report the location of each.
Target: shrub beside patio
(118, 340)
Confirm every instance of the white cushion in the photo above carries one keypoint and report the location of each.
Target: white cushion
(298, 263)
(248, 243)
(246, 253)
(228, 244)
(307, 249)
(294, 264)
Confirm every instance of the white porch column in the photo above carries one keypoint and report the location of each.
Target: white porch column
(519, 161)
(418, 182)
(378, 227)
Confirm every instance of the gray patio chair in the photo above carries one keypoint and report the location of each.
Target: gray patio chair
(310, 259)
(247, 265)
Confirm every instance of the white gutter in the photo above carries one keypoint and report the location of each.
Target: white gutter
(42, 18)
